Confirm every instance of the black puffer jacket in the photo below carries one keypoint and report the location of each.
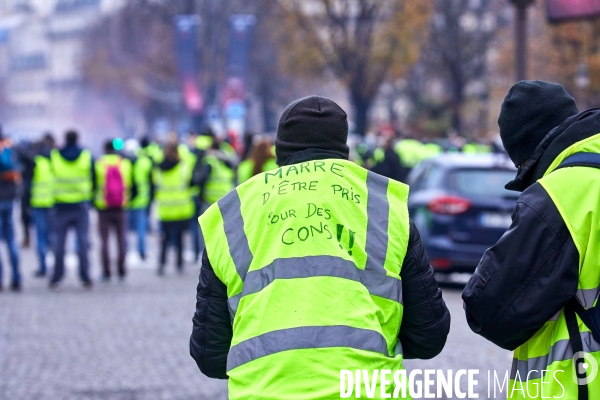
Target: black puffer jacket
(425, 323)
(532, 272)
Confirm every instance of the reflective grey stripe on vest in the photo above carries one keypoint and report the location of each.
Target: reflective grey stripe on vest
(171, 203)
(560, 351)
(377, 224)
(70, 180)
(377, 282)
(73, 190)
(555, 316)
(181, 187)
(230, 207)
(306, 337)
(587, 297)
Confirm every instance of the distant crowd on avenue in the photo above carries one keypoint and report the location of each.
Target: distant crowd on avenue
(58, 183)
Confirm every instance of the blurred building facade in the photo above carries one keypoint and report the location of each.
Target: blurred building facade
(41, 83)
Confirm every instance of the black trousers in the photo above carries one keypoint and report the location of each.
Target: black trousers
(172, 232)
(77, 217)
(115, 219)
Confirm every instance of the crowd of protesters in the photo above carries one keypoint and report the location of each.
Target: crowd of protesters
(58, 185)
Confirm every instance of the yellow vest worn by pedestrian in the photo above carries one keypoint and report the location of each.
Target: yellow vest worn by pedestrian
(173, 193)
(72, 179)
(311, 256)
(155, 151)
(42, 183)
(186, 154)
(476, 148)
(204, 142)
(142, 175)
(102, 165)
(220, 181)
(576, 194)
(430, 150)
(409, 151)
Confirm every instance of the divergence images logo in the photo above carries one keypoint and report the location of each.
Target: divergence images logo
(585, 368)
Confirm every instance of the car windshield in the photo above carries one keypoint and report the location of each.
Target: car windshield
(481, 182)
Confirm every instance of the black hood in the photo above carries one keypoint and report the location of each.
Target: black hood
(574, 129)
(71, 153)
(168, 164)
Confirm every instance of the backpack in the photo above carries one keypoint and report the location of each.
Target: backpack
(114, 187)
(591, 316)
(6, 162)
(8, 172)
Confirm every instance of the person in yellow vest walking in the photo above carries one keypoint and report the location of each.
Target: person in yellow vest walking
(536, 290)
(388, 163)
(173, 196)
(215, 176)
(311, 269)
(73, 170)
(139, 206)
(114, 182)
(210, 151)
(42, 200)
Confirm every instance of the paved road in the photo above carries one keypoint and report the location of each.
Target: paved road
(465, 350)
(130, 341)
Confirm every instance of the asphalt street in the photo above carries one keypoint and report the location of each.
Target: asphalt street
(129, 341)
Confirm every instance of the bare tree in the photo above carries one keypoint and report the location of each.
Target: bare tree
(461, 35)
(362, 42)
(129, 57)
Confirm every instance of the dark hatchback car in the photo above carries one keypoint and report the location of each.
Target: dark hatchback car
(459, 204)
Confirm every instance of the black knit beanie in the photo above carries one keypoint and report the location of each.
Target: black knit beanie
(530, 110)
(311, 123)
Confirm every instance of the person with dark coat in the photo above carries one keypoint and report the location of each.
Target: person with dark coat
(172, 180)
(74, 185)
(312, 130)
(26, 153)
(9, 182)
(389, 164)
(548, 257)
(42, 199)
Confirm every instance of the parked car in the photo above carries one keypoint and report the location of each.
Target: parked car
(459, 204)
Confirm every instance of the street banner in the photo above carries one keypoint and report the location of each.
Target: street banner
(567, 10)
(238, 60)
(240, 43)
(186, 45)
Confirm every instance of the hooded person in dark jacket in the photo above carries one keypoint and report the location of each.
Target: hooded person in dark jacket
(25, 151)
(389, 164)
(519, 291)
(172, 180)
(74, 184)
(311, 129)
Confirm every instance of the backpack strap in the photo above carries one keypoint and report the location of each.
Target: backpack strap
(581, 160)
(571, 310)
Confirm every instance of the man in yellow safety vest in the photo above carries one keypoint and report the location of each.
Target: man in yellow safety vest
(311, 269)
